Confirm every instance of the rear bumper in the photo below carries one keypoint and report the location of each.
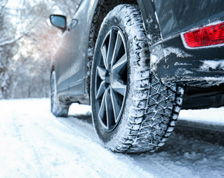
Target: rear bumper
(171, 61)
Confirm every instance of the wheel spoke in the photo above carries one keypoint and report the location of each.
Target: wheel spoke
(104, 54)
(119, 87)
(117, 47)
(116, 103)
(110, 48)
(120, 64)
(109, 110)
(102, 110)
(101, 90)
(101, 72)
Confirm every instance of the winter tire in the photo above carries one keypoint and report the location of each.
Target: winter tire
(132, 110)
(58, 109)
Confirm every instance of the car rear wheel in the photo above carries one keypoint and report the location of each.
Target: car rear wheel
(132, 111)
(58, 109)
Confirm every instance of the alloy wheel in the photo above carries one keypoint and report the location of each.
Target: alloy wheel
(111, 79)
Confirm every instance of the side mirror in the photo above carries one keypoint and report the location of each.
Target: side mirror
(59, 21)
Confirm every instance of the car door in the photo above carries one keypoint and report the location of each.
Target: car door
(62, 65)
(79, 32)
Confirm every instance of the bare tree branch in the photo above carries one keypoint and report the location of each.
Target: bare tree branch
(10, 41)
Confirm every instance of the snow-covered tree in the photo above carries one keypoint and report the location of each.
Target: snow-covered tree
(7, 46)
(27, 44)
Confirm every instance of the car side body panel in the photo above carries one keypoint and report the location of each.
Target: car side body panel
(164, 21)
(61, 66)
(70, 62)
(79, 37)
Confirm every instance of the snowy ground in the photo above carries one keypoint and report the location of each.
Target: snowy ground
(36, 144)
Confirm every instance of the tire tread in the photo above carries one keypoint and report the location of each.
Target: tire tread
(155, 106)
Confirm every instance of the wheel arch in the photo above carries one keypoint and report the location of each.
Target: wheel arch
(101, 10)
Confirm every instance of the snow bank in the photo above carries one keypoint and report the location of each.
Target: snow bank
(207, 116)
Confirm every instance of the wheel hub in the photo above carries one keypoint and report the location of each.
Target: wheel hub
(107, 77)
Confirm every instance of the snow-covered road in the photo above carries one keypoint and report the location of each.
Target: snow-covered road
(33, 143)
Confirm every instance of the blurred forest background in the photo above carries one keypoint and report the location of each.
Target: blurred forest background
(27, 45)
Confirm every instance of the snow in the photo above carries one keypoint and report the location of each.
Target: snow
(211, 65)
(36, 144)
(213, 116)
(178, 52)
(182, 71)
(156, 56)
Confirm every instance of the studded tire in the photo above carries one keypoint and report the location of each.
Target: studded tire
(150, 108)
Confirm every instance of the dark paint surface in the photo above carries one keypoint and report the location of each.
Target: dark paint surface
(180, 15)
(147, 9)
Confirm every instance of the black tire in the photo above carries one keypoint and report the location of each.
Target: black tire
(149, 109)
(58, 109)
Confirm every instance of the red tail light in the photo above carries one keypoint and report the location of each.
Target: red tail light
(206, 36)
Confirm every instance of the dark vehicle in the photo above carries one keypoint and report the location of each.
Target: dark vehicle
(137, 62)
